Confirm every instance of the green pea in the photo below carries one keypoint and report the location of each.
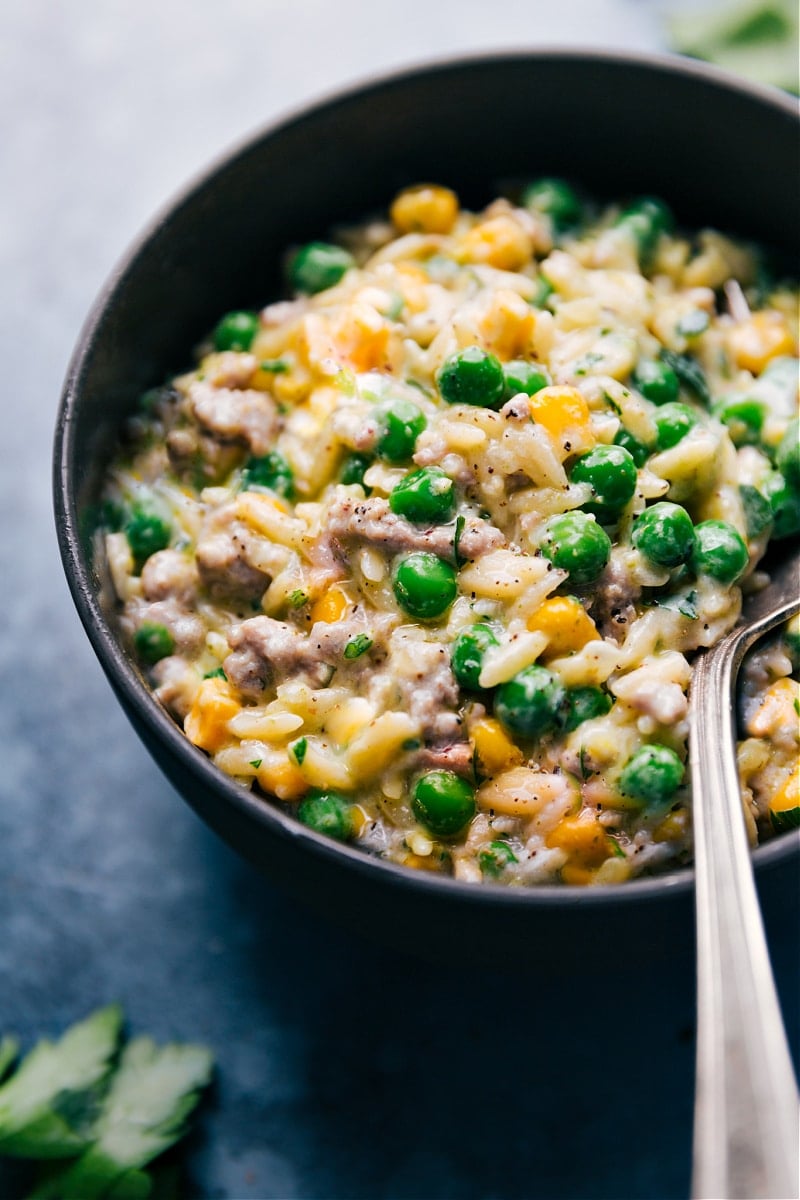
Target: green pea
(787, 457)
(427, 496)
(153, 642)
(270, 471)
(637, 450)
(531, 704)
(657, 381)
(443, 802)
(584, 704)
(400, 423)
(664, 534)
(468, 652)
(354, 468)
(495, 857)
(318, 266)
(672, 423)
(556, 198)
(652, 775)
(647, 218)
(522, 376)
(146, 533)
(236, 331)
(472, 376)
(744, 419)
(424, 585)
(329, 813)
(785, 504)
(574, 542)
(719, 551)
(611, 473)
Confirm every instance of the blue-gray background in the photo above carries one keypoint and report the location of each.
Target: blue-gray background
(344, 1070)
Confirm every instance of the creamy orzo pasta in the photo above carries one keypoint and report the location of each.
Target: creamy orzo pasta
(424, 551)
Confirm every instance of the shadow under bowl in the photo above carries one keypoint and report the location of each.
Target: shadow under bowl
(721, 152)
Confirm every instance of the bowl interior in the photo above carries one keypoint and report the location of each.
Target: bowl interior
(720, 153)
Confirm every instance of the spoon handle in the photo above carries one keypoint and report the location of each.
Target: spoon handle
(746, 1128)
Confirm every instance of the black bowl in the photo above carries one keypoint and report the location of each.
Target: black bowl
(720, 152)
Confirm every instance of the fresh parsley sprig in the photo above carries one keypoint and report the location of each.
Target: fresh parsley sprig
(94, 1115)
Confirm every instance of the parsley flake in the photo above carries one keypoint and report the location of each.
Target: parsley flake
(357, 646)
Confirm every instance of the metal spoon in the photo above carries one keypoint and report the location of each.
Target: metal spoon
(746, 1128)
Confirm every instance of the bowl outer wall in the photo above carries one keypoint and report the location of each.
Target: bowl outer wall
(721, 152)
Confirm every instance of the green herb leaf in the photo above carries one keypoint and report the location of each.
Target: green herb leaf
(298, 598)
(48, 1105)
(275, 366)
(683, 602)
(689, 373)
(357, 646)
(153, 1091)
(256, 762)
(217, 673)
(757, 509)
(298, 750)
(461, 521)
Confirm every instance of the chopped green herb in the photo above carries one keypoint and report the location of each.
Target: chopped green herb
(412, 744)
(298, 598)
(461, 521)
(689, 373)
(585, 772)
(357, 646)
(217, 673)
(299, 749)
(256, 762)
(586, 362)
(683, 602)
(275, 366)
(757, 509)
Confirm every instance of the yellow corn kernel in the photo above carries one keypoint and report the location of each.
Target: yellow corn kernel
(564, 413)
(361, 337)
(583, 838)
(331, 606)
(508, 326)
(494, 749)
(206, 724)
(673, 827)
(358, 818)
(280, 777)
(499, 242)
(776, 710)
(576, 876)
(566, 624)
(763, 336)
(426, 208)
(787, 798)
(427, 862)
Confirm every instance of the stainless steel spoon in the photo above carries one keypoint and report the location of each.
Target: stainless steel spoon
(747, 1118)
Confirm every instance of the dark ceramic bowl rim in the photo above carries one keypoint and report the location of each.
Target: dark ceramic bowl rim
(126, 680)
